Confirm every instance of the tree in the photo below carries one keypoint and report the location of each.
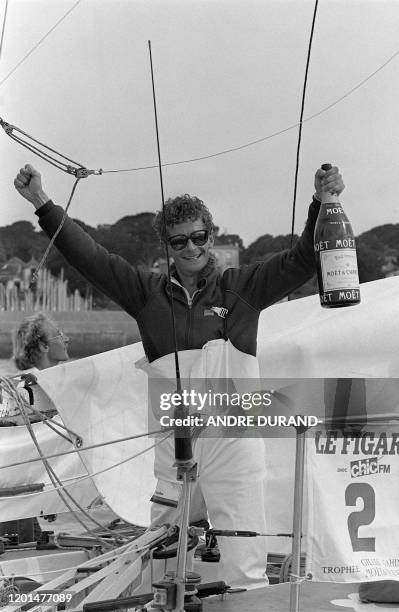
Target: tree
(21, 240)
(370, 257)
(133, 238)
(266, 245)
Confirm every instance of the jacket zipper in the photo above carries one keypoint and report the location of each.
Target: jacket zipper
(190, 299)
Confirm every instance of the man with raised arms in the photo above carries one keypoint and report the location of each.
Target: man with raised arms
(216, 319)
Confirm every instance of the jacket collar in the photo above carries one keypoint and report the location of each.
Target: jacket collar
(206, 274)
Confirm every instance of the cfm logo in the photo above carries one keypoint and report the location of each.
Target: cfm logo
(365, 467)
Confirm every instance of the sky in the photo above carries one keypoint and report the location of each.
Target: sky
(227, 73)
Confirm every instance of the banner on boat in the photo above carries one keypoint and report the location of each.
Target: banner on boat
(353, 504)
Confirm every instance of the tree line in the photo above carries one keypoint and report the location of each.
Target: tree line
(133, 238)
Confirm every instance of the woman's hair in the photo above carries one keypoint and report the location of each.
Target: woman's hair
(180, 209)
(26, 340)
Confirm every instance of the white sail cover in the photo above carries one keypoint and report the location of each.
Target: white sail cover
(16, 446)
(300, 339)
(104, 397)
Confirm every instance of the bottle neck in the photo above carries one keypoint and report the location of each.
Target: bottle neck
(329, 198)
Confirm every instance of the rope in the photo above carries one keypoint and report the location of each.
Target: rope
(117, 554)
(286, 574)
(39, 42)
(7, 588)
(59, 228)
(301, 120)
(299, 579)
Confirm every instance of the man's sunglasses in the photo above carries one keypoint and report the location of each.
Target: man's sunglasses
(179, 242)
(61, 335)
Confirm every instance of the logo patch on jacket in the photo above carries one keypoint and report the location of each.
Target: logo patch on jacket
(219, 310)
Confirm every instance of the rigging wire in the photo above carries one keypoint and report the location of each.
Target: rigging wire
(85, 448)
(301, 120)
(269, 136)
(248, 144)
(79, 479)
(39, 42)
(65, 496)
(7, 384)
(9, 129)
(211, 155)
(83, 172)
(48, 423)
(3, 28)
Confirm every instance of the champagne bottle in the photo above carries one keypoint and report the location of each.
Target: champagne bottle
(335, 251)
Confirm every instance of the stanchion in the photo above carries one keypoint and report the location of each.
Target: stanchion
(297, 519)
(169, 593)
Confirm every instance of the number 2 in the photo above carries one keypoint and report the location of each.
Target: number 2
(360, 517)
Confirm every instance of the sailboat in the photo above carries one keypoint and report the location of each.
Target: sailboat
(106, 452)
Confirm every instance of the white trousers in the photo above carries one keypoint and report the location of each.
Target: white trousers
(230, 486)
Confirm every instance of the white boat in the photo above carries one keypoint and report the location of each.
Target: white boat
(94, 398)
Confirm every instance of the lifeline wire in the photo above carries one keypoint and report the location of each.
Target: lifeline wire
(39, 42)
(8, 385)
(79, 479)
(53, 476)
(47, 421)
(301, 120)
(48, 424)
(84, 448)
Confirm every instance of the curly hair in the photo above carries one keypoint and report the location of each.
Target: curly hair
(26, 339)
(180, 209)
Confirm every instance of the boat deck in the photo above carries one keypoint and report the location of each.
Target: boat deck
(314, 597)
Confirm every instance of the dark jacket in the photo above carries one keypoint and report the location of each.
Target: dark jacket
(243, 291)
